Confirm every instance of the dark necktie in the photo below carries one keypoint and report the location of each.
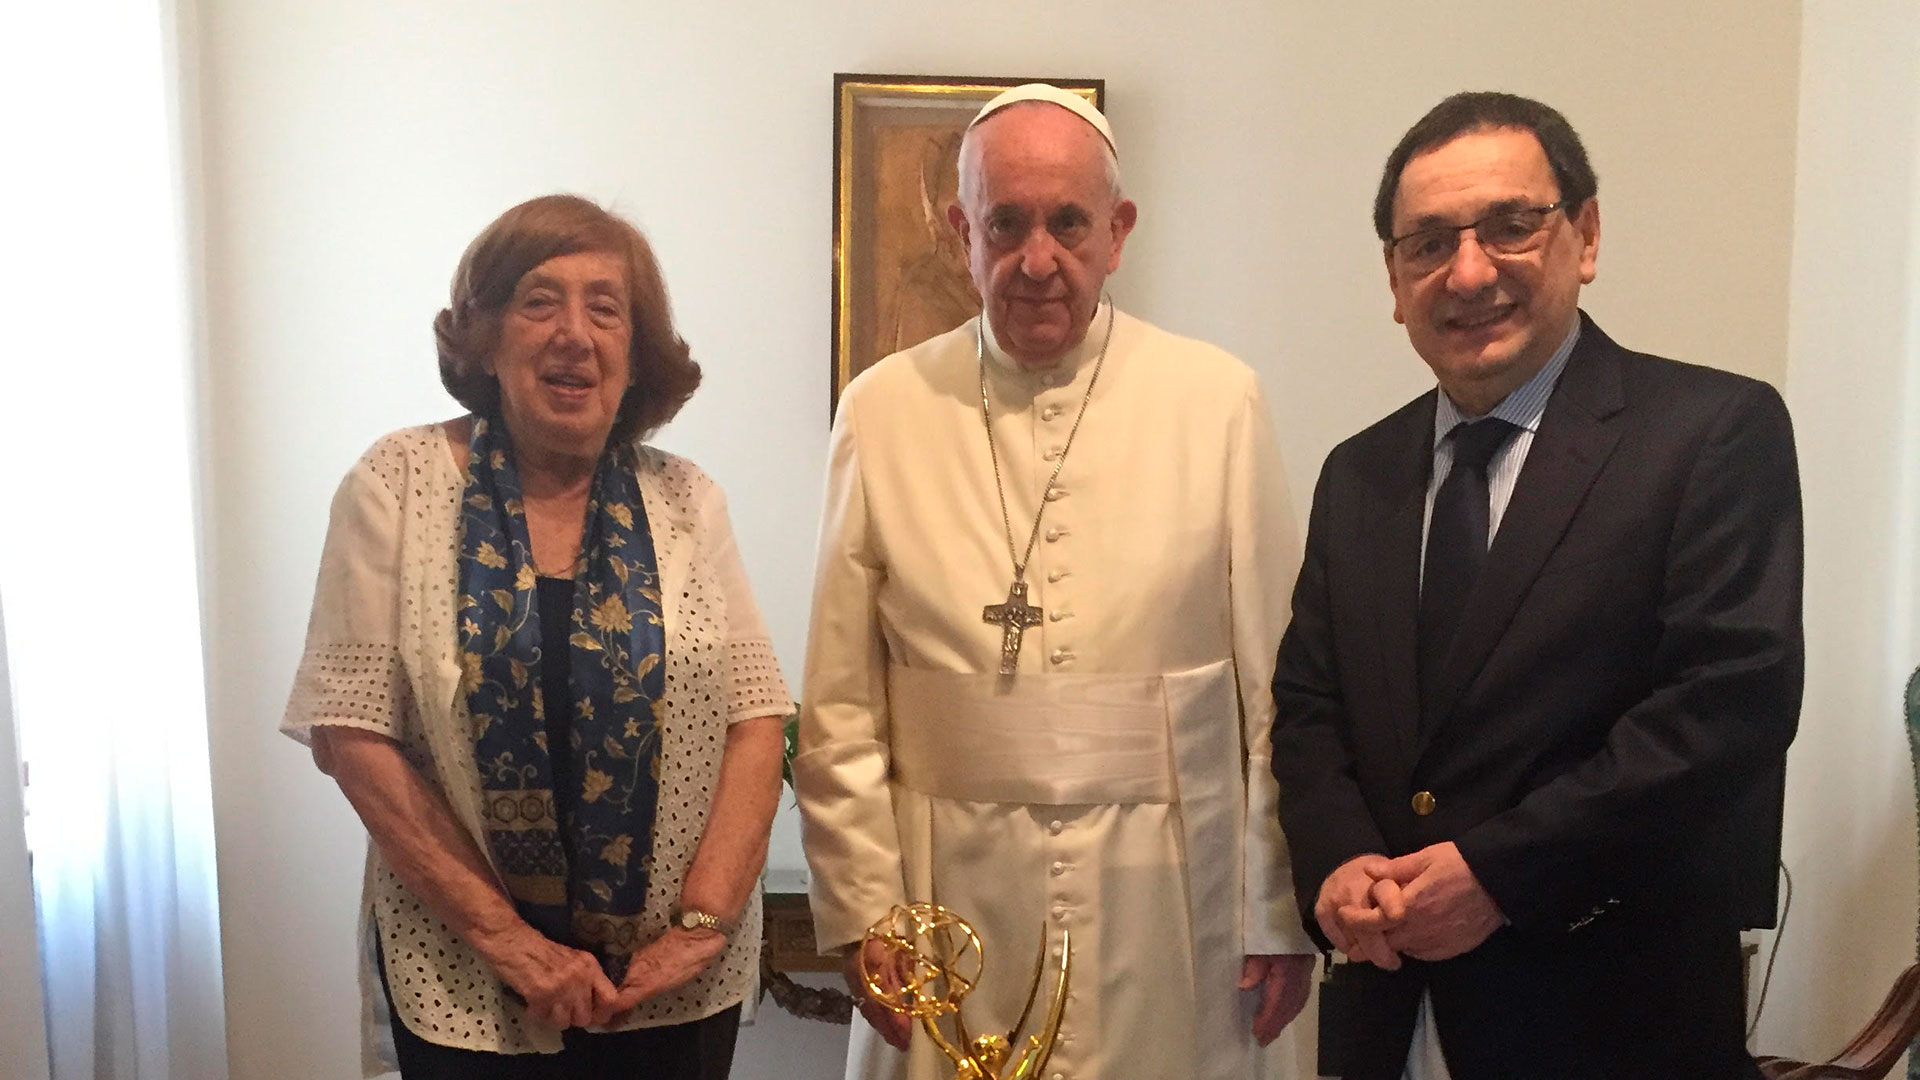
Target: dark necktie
(1456, 546)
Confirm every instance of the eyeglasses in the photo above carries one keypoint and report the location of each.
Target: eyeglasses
(1509, 232)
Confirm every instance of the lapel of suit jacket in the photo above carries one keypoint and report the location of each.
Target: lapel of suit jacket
(1576, 436)
(1392, 524)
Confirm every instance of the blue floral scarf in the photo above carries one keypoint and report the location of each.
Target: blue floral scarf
(588, 888)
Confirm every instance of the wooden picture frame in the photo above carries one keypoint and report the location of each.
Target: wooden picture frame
(899, 272)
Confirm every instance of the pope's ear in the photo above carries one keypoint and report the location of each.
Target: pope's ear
(1125, 216)
(957, 218)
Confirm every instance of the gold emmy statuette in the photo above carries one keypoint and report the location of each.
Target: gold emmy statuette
(932, 961)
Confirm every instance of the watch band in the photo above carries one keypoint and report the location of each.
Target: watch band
(687, 918)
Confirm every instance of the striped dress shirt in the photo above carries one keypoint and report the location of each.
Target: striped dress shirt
(1523, 409)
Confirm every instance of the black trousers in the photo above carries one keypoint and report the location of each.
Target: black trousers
(696, 1050)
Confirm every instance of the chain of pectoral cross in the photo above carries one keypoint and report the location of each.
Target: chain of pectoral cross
(1015, 616)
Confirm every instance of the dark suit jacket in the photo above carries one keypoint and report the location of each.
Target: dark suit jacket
(1628, 667)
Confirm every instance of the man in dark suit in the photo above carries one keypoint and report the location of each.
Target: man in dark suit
(1546, 637)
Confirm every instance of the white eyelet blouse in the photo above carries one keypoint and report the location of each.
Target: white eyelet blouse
(380, 656)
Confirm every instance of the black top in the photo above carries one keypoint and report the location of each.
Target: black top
(556, 625)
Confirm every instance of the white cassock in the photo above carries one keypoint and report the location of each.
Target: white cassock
(1118, 785)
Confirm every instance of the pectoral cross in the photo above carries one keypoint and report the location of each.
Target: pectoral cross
(1013, 618)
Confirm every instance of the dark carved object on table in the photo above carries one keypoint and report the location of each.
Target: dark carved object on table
(788, 947)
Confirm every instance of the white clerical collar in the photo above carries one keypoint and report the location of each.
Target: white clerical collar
(1069, 364)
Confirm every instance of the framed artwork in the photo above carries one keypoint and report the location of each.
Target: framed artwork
(899, 272)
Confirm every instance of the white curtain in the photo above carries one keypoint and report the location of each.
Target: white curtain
(23, 1033)
(98, 556)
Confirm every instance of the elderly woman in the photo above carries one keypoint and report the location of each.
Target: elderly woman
(536, 670)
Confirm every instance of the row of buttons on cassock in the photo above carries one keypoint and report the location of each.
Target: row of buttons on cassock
(1060, 910)
(1057, 610)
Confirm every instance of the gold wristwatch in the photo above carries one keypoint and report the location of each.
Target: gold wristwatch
(688, 918)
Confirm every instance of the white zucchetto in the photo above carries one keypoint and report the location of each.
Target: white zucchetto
(1051, 94)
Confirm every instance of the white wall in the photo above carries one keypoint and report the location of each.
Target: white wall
(352, 148)
(1687, 111)
(1852, 355)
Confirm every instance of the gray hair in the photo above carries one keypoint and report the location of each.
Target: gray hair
(969, 163)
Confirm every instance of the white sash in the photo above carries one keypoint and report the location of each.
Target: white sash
(957, 736)
(1035, 739)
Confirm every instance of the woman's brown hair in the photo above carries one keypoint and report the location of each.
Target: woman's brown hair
(467, 331)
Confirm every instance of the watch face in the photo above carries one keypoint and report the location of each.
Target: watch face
(689, 920)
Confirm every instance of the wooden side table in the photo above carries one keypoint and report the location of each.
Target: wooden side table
(786, 947)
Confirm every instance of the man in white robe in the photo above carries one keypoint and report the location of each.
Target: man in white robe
(1115, 784)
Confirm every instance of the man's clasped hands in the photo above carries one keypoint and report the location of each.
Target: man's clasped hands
(1427, 905)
